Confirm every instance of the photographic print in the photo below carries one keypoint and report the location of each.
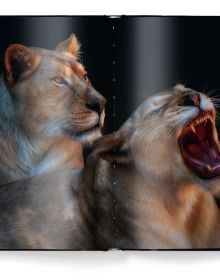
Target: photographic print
(109, 133)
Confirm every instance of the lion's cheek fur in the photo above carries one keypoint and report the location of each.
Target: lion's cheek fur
(159, 158)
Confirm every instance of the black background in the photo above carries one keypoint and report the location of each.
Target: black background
(155, 53)
(150, 53)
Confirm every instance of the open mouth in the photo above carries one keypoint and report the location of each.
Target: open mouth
(199, 146)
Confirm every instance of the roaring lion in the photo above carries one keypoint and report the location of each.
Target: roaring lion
(166, 159)
(48, 109)
(144, 187)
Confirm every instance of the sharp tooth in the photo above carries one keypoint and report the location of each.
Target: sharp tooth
(209, 116)
(209, 169)
(192, 128)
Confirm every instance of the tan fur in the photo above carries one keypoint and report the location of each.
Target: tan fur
(47, 110)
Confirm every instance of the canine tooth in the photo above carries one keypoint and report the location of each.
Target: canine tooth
(209, 169)
(209, 116)
(192, 128)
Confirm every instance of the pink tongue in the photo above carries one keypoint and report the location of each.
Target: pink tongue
(202, 153)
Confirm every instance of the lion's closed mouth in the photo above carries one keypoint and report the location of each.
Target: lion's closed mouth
(100, 122)
(199, 147)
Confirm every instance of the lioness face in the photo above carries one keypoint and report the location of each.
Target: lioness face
(51, 92)
(176, 133)
(171, 136)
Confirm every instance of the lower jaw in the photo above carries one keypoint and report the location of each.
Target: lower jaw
(204, 171)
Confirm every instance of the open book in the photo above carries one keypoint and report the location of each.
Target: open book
(109, 132)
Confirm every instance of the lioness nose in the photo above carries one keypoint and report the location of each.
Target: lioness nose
(190, 99)
(97, 105)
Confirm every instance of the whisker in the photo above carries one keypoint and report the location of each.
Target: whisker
(215, 100)
(212, 92)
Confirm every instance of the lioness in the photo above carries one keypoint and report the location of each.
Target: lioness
(48, 107)
(143, 187)
(167, 158)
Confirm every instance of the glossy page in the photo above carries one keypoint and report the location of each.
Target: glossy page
(109, 133)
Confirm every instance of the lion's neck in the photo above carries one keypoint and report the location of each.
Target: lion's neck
(161, 215)
(23, 156)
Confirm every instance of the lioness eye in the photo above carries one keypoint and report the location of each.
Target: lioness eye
(59, 81)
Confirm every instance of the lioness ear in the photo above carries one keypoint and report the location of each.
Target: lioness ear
(71, 45)
(113, 147)
(19, 62)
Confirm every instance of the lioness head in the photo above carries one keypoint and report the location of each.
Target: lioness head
(172, 135)
(51, 92)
